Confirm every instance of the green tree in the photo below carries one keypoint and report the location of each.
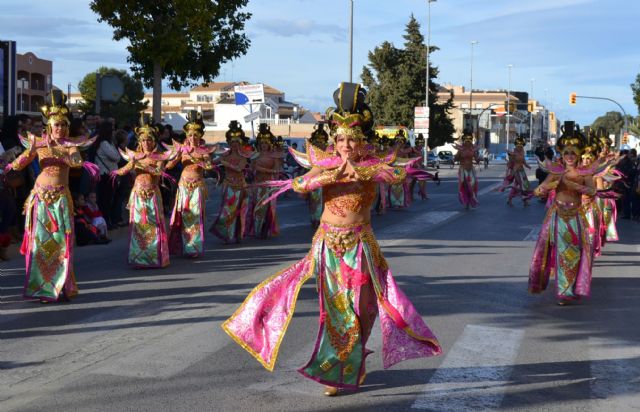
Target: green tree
(185, 41)
(635, 87)
(396, 83)
(126, 109)
(611, 122)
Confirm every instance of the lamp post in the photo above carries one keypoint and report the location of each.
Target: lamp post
(473, 43)
(351, 42)
(426, 92)
(508, 105)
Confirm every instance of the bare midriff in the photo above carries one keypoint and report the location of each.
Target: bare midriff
(566, 195)
(192, 171)
(55, 171)
(267, 163)
(466, 157)
(348, 203)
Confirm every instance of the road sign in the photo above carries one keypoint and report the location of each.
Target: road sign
(421, 117)
(421, 111)
(420, 123)
(112, 87)
(252, 116)
(249, 94)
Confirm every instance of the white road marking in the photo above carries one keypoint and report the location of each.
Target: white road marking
(421, 223)
(615, 369)
(472, 376)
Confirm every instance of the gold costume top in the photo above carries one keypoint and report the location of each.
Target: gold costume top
(353, 197)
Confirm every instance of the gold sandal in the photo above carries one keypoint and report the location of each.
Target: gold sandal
(330, 391)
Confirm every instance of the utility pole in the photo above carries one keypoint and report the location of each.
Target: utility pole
(426, 94)
(531, 117)
(508, 105)
(473, 43)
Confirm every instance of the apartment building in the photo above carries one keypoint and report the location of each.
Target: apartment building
(33, 82)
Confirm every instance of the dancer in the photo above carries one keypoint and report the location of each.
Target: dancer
(230, 225)
(467, 179)
(320, 139)
(563, 249)
(399, 194)
(592, 213)
(148, 243)
(186, 228)
(516, 177)
(608, 230)
(354, 281)
(266, 166)
(48, 233)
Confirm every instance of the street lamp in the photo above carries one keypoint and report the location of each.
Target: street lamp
(351, 42)
(510, 66)
(426, 94)
(473, 43)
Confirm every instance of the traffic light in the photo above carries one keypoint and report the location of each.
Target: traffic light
(625, 138)
(509, 107)
(530, 107)
(572, 98)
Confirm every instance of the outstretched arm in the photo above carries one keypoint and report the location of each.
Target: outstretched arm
(550, 183)
(314, 179)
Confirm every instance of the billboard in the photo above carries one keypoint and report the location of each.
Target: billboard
(249, 94)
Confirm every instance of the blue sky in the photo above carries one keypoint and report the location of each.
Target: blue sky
(301, 46)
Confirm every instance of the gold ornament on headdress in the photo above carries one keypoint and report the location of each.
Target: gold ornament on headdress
(571, 139)
(264, 135)
(235, 133)
(195, 123)
(146, 129)
(56, 109)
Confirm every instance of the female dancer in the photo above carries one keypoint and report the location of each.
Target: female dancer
(516, 177)
(266, 166)
(148, 243)
(563, 248)
(399, 194)
(186, 228)
(230, 225)
(467, 180)
(608, 230)
(354, 281)
(48, 234)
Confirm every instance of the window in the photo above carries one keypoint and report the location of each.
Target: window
(464, 105)
(204, 98)
(478, 105)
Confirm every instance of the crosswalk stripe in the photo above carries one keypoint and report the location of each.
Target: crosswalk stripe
(471, 375)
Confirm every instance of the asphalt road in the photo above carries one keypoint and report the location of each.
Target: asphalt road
(151, 340)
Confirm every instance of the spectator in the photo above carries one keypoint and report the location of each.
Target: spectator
(92, 211)
(7, 204)
(626, 186)
(86, 233)
(106, 158)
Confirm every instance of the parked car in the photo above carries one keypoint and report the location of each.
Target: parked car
(446, 157)
(433, 160)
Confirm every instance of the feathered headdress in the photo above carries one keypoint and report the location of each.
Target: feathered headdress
(195, 123)
(56, 109)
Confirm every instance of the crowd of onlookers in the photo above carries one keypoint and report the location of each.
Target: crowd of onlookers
(99, 205)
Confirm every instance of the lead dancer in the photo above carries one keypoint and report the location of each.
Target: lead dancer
(354, 281)
(48, 239)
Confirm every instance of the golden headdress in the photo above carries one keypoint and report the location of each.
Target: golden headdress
(419, 140)
(520, 141)
(235, 133)
(146, 129)
(264, 135)
(571, 138)
(592, 146)
(195, 123)
(319, 137)
(351, 116)
(605, 140)
(56, 108)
